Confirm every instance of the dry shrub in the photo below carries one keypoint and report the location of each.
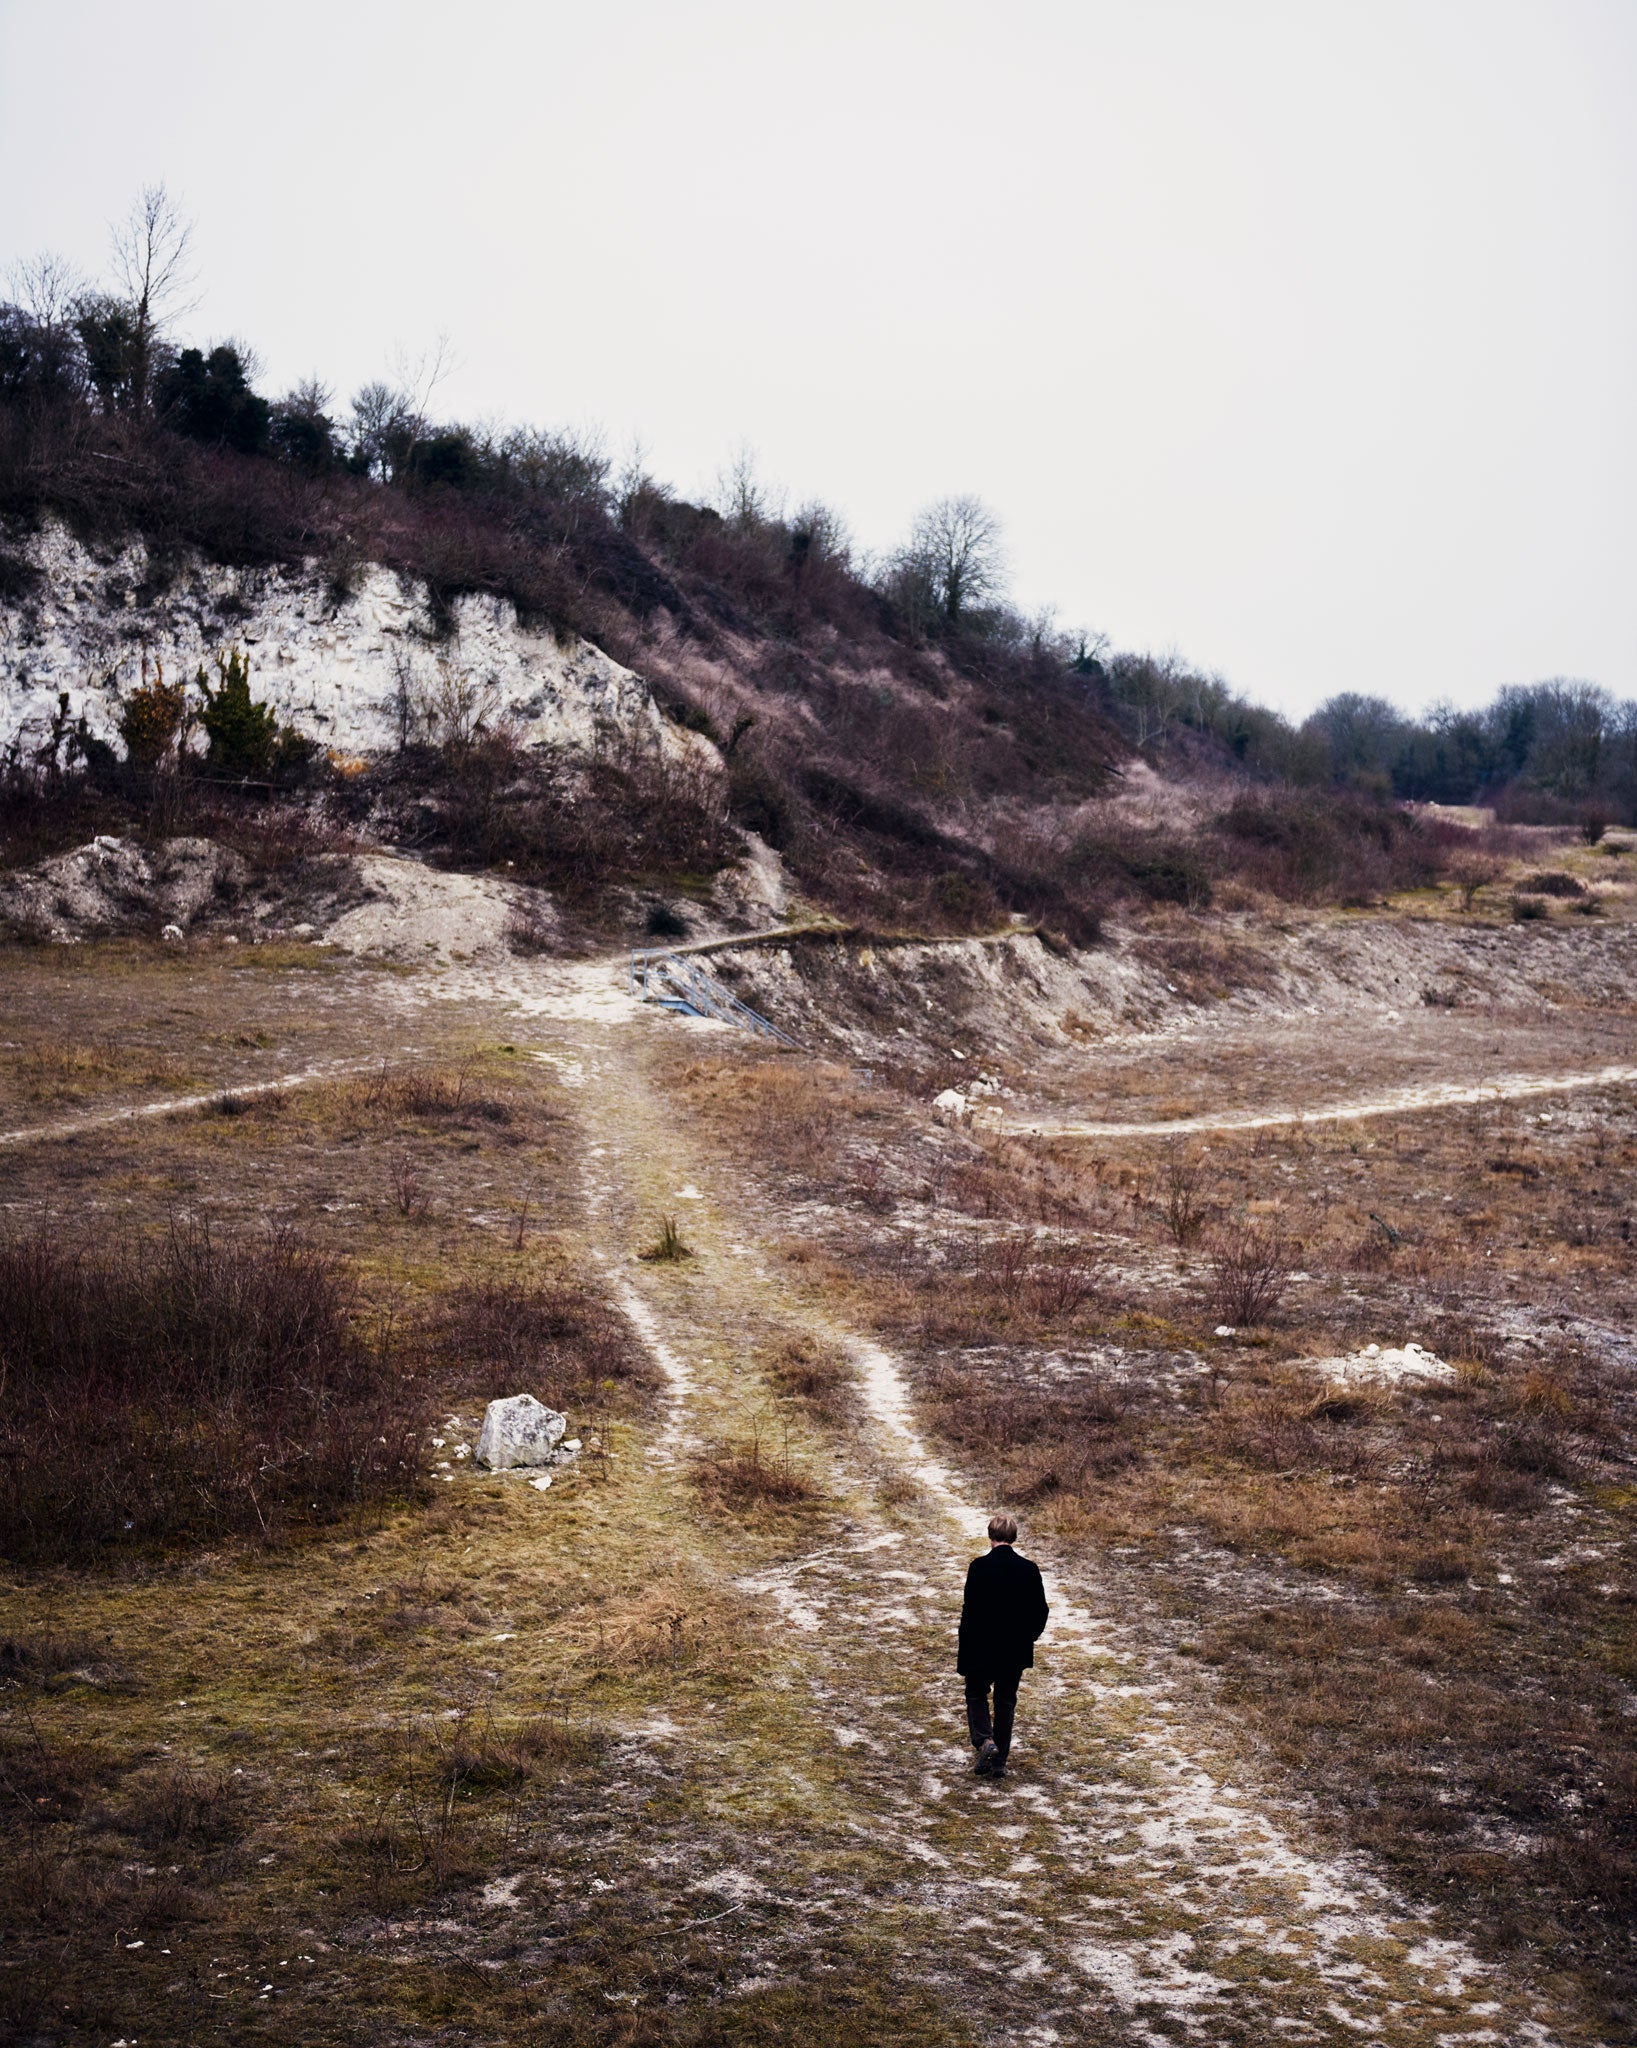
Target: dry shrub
(1249, 1269)
(189, 1390)
(409, 1195)
(556, 1339)
(815, 1374)
(278, 838)
(578, 826)
(1182, 1198)
(181, 1804)
(531, 925)
(1311, 848)
(428, 1093)
(744, 1478)
(43, 814)
(1023, 1282)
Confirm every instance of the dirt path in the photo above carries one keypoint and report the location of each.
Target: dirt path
(1131, 1881)
(176, 1105)
(1395, 1102)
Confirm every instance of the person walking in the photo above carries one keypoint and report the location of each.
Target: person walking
(1002, 1617)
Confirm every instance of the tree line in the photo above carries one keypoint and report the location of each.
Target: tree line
(543, 515)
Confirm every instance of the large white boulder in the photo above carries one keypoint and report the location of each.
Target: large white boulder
(519, 1431)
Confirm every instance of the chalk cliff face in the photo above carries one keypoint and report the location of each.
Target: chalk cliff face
(359, 675)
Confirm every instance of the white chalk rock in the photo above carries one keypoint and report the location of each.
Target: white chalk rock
(1382, 1362)
(519, 1431)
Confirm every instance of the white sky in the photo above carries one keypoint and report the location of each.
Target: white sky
(1299, 336)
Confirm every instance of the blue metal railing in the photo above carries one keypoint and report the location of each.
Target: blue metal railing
(680, 983)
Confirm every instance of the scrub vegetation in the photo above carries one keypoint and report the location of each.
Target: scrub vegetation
(1165, 1071)
(920, 754)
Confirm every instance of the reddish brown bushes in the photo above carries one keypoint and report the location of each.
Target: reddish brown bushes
(557, 1340)
(190, 1390)
(1336, 847)
(626, 816)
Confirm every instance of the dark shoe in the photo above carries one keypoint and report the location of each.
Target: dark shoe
(988, 1761)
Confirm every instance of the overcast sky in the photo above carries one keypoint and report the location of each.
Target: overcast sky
(1297, 336)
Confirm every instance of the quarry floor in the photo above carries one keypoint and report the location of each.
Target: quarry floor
(758, 1822)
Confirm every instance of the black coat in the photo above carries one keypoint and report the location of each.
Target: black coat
(1002, 1615)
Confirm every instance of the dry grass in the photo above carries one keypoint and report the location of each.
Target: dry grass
(748, 1479)
(428, 1094)
(818, 1375)
(676, 1621)
(1460, 1689)
(667, 1248)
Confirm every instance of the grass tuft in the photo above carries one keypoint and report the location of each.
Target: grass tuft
(668, 1247)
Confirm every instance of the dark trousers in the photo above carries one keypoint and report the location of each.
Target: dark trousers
(999, 1730)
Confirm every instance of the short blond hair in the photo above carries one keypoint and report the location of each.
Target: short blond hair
(1002, 1529)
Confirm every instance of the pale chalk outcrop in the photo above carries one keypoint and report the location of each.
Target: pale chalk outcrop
(1386, 1363)
(358, 676)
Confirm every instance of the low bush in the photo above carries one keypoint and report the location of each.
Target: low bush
(576, 827)
(42, 815)
(188, 1391)
(1249, 1270)
(554, 1339)
(1338, 847)
(744, 1477)
(1151, 867)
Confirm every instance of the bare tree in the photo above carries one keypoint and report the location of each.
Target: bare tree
(383, 429)
(957, 543)
(46, 294)
(742, 498)
(152, 248)
(389, 421)
(47, 286)
(309, 397)
(1471, 874)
